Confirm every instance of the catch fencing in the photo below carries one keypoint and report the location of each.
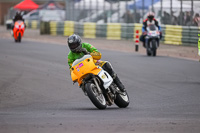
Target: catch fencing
(171, 12)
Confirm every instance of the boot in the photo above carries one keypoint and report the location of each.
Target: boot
(108, 68)
(119, 83)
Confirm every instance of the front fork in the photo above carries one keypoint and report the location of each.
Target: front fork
(146, 43)
(97, 85)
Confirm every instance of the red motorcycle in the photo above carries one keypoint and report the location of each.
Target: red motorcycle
(18, 30)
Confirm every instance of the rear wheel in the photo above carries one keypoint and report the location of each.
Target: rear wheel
(122, 100)
(96, 98)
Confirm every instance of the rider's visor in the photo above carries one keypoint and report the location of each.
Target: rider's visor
(73, 45)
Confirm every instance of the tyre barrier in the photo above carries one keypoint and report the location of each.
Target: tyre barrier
(89, 30)
(32, 24)
(175, 35)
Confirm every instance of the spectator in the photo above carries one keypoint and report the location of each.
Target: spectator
(187, 19)
(196, 20)
(137, 17)
(174, 20)
(128, 17)
(166, 18)
(181, 18)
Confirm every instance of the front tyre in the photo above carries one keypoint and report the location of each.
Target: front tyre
(154, 52)
(19, 37)
(122, 100)
(154, 47)
(148, 52)
(96, 98)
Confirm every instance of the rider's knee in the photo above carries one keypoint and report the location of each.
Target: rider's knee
(108, 67)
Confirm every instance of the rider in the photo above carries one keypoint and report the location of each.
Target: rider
(149, 20)
(17, 17)
(79, 49)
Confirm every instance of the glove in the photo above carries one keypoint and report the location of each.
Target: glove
(84, 50)
(144, 33)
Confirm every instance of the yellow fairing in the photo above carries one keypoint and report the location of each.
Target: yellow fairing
(82, 69)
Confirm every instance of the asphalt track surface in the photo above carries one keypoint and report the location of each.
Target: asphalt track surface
(37, 94)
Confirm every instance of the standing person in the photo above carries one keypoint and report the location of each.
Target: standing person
(128, 17)
(187, 18)
(150, 20)
(79, 49)
(196, 20)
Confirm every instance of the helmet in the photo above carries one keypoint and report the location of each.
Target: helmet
(18, 13)
(150, 16)
(74, 43)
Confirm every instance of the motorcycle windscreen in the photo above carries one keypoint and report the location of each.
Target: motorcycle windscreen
(152, 27)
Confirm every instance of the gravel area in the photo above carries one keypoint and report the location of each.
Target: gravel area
(185, 52)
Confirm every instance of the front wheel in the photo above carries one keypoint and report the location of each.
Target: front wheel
(154, 47)
(122, 100)
(154, 52)
(19, 37)
(148, 52)
(96, 98)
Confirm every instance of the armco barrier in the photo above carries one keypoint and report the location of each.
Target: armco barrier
(175, 35)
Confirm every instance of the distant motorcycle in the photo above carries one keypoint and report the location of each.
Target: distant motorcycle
(152, 40)
(18, 30)
(97, 84)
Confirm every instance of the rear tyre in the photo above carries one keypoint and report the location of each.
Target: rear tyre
(122, 100)
(96, 98)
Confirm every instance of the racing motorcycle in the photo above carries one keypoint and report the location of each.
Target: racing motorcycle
(18, 30)
(97, 84)
(152, 40)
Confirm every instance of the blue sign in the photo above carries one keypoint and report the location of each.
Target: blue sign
(139, 4)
